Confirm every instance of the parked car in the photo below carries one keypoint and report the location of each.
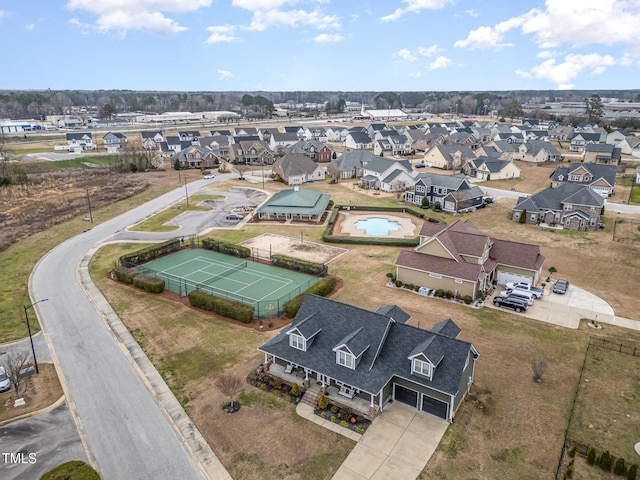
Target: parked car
(209, 176)
(511, 303)
(561, 287)
(234, 216)
(526, 297)
(5, 383)
(526, 287)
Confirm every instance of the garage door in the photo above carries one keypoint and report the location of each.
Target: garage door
(434, 406)
(405, 395)
(508, 277)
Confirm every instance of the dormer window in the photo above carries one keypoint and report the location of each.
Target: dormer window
(297, 341)
(345, 359)
(421, 367)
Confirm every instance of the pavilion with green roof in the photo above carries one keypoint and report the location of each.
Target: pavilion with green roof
(296, 204)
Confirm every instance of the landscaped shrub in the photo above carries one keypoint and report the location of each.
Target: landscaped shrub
(295, 389)
(333, 418)
(149, 253)
(439, 293)
(620, 468)
(335, 409)
(468, 299)
(632, 473)
(523, 216)
(604, 460)
(323, 287)
(570, 471)
(389, 274)
(591, 456)
(148, 283)
(226, 248)
(437, 207)
(125, 275)
(222, 306)
(398, 283)
(73, 470)
(290, 307)
(448, 294)
(323, 402)
(573, 450)
(344, 424)
(298, 265)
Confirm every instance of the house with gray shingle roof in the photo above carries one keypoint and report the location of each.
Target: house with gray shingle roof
(601, 178)
(448, 157)
(602, 153)
(279, 142)
(440, 189)
(463, 259)
(571, 205)
(112, 141)
(491, 168)
(349, 164)
(296, 168)
(537, 151)
(387, 175)
(580, 140)
(358, 140)
(313, 149)
(365, 359)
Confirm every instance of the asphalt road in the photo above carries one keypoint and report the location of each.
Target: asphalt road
(125, 431)
(50, 438)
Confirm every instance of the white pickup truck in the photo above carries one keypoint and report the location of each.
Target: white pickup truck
(537, 292)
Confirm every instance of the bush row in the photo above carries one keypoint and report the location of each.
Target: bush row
(125, 275)
(303, 266)
(322, 288)
(222, 306)
(148, 283)
(390, 242)
(226, 248)
(149, 253)
(387, 209)
(605, 461)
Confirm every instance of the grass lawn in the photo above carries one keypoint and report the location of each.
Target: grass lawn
(634, 198)
(156, 223)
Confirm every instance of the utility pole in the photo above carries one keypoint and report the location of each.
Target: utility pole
(186, 192)
(89, 203)
(26, 317)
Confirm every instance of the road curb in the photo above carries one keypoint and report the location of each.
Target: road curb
(189, 435)
(46, 409)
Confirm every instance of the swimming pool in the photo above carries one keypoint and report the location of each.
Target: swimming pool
(377, 227)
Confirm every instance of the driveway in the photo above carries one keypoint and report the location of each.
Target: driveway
(397, 445)
(567, 310)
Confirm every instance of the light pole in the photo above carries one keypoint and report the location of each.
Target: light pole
(186, 192)
(26, 317)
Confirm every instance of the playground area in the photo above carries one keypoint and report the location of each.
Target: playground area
(267, 244)
(262, 286)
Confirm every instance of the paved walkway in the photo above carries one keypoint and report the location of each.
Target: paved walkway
(397, 445)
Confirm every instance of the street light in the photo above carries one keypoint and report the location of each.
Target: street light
(185, 190)
(26, 317)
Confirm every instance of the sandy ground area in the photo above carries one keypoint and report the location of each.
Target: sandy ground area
(293, 247)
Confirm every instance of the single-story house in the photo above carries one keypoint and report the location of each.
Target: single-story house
(571, 205)
(295, 168)
(466, 261)
(602, 153)
(297, 204)
(366, 359)
(537, 151)
(489, 168)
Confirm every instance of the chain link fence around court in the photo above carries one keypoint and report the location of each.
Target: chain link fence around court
(264, 308)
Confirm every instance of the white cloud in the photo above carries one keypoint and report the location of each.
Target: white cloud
(414, 6)
(122, 16)
(440, 62)
(408, 56)
(491, 38)
(415, 74)
(4, 14)
(83, 27)
(222, 34)
(547, 54)
(405, 55)
(263, 20)
(329, 38)
(574, 65)
(471, 13)
(224, 75)
(30, 26)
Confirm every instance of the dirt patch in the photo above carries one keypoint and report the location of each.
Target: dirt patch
(271, 243)
(39, 391)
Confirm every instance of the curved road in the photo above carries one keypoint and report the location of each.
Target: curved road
(125, 431)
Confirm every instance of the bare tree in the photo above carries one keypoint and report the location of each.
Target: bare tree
(538, 366)
(13, 364)
(400, 187)
(242, 169)
(229, 385)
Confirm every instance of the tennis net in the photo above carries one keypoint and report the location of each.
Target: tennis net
(226, 273)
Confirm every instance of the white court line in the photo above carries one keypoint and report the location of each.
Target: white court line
(274, 291)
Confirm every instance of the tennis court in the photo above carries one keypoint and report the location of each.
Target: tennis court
(262, 286)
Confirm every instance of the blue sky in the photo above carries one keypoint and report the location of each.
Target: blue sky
(277, 45)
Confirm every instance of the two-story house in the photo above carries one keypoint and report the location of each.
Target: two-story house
(349, 164)
(537, 151)
(113, 141)
(151, 140)
(80, 141)
(252, 152)
(296, 168)
(313, 149)
(452, 192)
(386, 175)
(600, 178)
(580, 140)
(280, 142)
(358, 141)
(571, 205)
(491, 168)
(461, 258)
(370, 358)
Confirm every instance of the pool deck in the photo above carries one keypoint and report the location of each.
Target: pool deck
(348, 226)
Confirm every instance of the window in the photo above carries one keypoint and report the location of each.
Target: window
(345, 359)
(421, 367)
(419, 189)
(575, 178)
(297, 341)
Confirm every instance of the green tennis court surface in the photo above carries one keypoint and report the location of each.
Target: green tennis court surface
(262, 286)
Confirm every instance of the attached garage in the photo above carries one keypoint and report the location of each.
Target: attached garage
(434, 406)
(405, 395)
(509, 277)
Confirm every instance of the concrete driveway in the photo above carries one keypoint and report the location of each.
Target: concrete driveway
(397, 445)
(567, 310)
